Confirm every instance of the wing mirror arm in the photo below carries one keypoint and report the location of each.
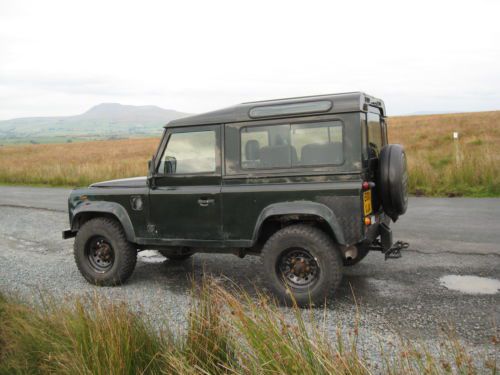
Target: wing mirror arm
(151, 172)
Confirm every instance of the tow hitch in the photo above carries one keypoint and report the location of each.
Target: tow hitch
(394, 252)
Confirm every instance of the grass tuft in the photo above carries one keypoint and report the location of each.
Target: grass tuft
(228, 332)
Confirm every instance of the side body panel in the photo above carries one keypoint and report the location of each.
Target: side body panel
(248, 194)
(248, 202)
(114, 201)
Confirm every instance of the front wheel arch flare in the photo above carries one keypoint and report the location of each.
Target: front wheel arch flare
(104, 209)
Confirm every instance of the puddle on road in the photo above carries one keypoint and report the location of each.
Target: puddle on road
(150, 256)
(470, 284)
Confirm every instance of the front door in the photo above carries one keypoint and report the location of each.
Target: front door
(185, 200)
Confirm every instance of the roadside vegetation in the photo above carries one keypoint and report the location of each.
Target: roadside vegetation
(438, 165)
(75, 164)
(228, 332)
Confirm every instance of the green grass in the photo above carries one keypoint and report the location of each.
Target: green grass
(227, 333)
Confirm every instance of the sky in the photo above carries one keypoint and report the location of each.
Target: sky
(63, 57)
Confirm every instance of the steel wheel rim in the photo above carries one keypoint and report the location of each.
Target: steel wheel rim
(298, 268)
(100, 254)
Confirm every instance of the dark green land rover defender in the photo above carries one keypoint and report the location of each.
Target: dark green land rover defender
(310, 184)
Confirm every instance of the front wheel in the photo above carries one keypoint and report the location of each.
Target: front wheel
(103, 254)
(302, 264)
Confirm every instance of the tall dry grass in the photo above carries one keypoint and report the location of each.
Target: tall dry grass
(228, 333)
(75, 164)
(435, 166)
(428, 140)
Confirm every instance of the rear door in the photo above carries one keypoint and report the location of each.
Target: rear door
(186, 201)
(374, 139)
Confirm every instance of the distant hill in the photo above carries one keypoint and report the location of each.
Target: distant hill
(103, 121)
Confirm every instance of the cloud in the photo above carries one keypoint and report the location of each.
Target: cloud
(60, 56)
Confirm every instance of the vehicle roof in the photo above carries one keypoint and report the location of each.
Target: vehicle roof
(344, 102)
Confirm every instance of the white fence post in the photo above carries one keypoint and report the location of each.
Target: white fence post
(458, 156)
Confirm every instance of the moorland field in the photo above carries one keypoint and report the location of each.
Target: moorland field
(439, 166)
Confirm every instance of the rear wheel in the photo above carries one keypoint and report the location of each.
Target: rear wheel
(302, 264)
(102, 253)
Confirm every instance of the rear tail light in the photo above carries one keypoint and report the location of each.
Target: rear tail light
(367, 185)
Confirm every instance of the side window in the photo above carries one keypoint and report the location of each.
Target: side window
(265, 147)
(375, 136)
(288, 146)
(318, 143)
(190, 152)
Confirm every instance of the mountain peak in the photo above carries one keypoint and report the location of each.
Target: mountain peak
(101, 120)
(119, 112)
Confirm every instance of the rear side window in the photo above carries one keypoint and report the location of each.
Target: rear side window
(266, 147)
(318, 143)
(375, 135)
(190, 152)
(292, 145)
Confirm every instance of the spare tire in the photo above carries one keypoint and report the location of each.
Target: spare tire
(393, 180)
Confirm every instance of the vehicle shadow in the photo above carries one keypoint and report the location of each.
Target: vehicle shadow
(229, 271)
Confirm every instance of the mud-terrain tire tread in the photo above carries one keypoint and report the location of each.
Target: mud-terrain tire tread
(321, 246)
(392, 180)
(125, 252)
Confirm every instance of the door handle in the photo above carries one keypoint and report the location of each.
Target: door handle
(204, 202)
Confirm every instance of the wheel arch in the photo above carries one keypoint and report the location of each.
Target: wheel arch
(300, 209)
(111, 210)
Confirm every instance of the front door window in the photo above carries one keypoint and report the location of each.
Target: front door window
(190, 153)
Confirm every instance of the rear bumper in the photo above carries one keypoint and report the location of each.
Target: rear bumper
(68, 234)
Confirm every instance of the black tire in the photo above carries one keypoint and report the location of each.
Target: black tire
(105, 270)
(362, 253)
(393, 180)
(176, 255)
(326, 256)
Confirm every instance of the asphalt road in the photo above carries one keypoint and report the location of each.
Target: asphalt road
(456, 236)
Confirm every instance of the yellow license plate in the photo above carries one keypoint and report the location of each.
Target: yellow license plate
(367, 202)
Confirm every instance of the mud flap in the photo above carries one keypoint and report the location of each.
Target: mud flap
(68, 234)
(385, 236)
